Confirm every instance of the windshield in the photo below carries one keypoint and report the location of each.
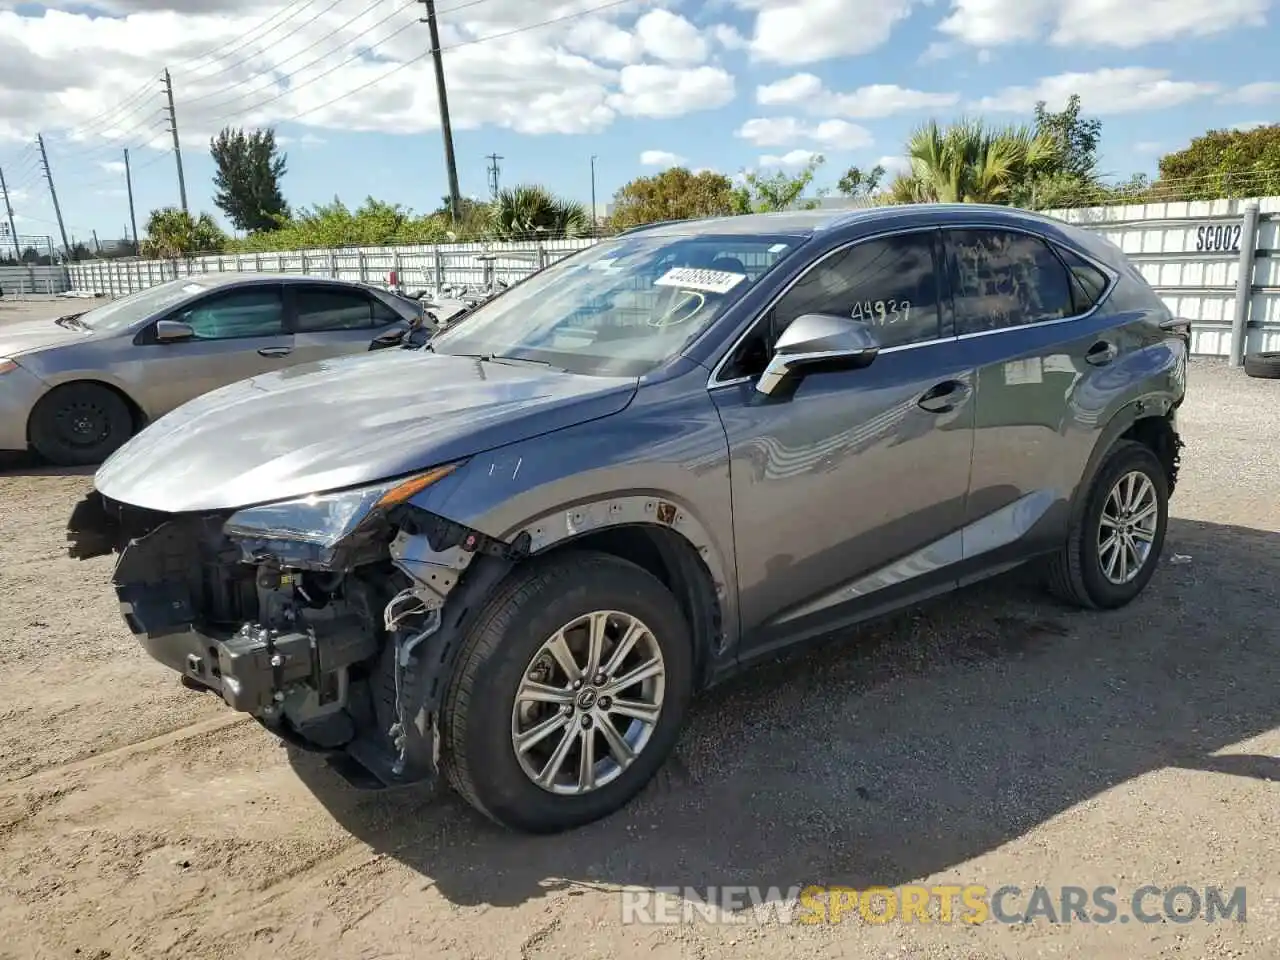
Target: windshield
(620, 308)
(121, 313)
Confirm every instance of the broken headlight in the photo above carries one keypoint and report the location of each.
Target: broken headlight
(306, 531)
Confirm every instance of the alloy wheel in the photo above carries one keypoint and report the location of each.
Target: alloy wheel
(588, 702)
(1127, 529)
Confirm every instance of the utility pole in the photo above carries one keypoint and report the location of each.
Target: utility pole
(53, 194)
(173, 128)
(455, 198)
(593, 195)
(128, 182)
(96, 245)
(8, 208)
(493, 159)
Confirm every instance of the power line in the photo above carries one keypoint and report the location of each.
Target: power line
(422, 56)
(238, 97)
(276, 66)
(320, 76)
(123, 108)
(247, 37)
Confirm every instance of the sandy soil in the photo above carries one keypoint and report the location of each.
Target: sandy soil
(993, 738)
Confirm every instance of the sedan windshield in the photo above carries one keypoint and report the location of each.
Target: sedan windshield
(122, 313)
(621, 308)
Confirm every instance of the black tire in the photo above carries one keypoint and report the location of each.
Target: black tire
(539, 598)
(1075, 574)
(1264, 366)
(79, 424)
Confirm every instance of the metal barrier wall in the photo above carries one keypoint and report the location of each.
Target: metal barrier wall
(1194, 253)
(33, 280)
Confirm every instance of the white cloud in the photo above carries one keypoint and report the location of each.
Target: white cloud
(1117, 90)
(1254, 93)
(1126, 24)
(559, 78)
(794, 158)
(871, 102)
(670, 37)
(1250, 125)
(653, 90)
(893, 166)
(660, 158)
(807, 31)
(112, 166)
(728, 36)
(833, 134)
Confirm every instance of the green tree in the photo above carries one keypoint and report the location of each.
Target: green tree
(373, 223)
(247, 178)
(472, 220)
(969, 162)
(1077, 139)
(1223, 163)
(173, 233)
(673, 194)
(530, 212)
(859, 183)
(766, 193)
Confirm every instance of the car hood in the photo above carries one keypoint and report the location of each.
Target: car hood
(341, 423)
(19, 338)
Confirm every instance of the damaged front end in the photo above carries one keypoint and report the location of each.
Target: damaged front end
(334, 620)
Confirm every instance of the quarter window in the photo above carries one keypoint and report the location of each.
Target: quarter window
(255, 312)
(1002, 279)
(321, 310)
(1088, 282)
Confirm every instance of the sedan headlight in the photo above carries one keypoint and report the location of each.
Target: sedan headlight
(307, 530)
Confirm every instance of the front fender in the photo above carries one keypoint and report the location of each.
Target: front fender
(664, 460)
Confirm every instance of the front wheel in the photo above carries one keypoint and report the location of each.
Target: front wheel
(79, 424)
(1114, 546)
(570, 693)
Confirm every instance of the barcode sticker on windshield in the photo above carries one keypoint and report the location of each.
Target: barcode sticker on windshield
(707, 281)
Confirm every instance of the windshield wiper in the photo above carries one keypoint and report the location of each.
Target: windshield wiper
(71, 321)
(501, 358)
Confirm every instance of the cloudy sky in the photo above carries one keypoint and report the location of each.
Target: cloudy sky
(640, 84)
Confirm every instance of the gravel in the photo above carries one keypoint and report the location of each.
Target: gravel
(991, 737)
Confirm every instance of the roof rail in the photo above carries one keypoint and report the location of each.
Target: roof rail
(656, 223)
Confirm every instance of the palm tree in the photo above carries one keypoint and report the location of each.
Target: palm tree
(969, 162)
(173, 233)
(531, 212)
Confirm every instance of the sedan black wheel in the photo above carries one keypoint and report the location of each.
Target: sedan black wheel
(570, 692)
(79, 424)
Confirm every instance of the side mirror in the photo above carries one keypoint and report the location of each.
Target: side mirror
(816, 342)
(171, 331)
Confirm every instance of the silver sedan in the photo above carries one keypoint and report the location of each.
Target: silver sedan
(78, 387)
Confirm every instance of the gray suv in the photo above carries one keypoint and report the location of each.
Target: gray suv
(513, 556)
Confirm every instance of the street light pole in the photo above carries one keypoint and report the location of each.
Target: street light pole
(593, 195)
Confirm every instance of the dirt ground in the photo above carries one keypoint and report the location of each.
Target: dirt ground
(991, 738)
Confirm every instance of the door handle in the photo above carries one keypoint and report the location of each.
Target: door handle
(275, 351)
(944, 397)
(1101, 353)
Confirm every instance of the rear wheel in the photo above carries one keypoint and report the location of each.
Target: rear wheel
(80, 423)
(1115, 544)
(570, 693)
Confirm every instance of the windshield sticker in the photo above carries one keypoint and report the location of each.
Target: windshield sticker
(778, 248)
(692, 278)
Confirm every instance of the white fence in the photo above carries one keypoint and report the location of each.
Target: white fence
(1195, 254)
(33, 280)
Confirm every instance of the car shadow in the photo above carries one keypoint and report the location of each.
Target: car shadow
(18, 464)
(909, 747)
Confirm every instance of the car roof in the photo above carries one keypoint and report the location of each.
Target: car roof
(807, 222)
(222, 279)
